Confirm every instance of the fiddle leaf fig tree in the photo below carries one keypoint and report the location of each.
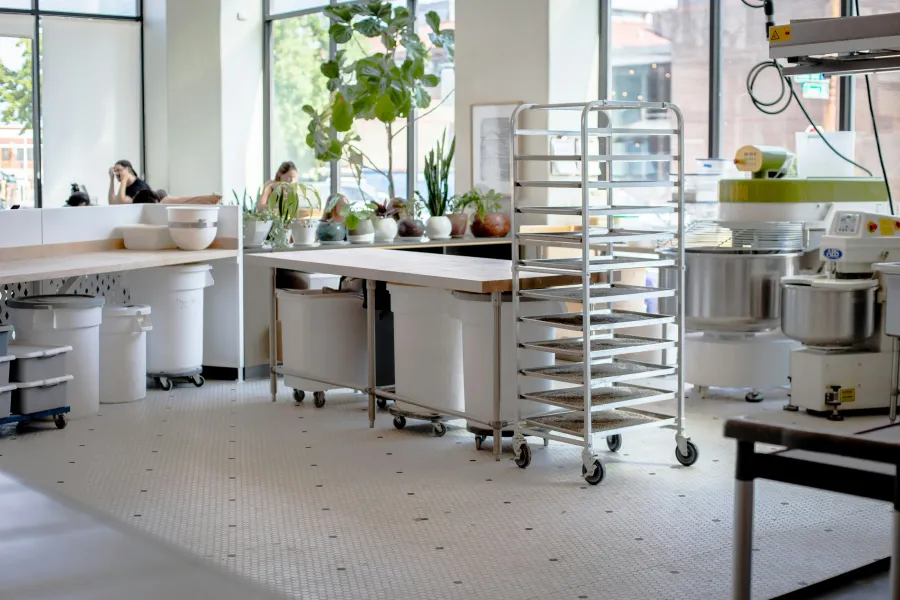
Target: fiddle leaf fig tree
(384, 86)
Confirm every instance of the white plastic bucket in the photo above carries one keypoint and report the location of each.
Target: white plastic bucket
(175, 294)
(323, 335)
(476, 315)
(66, 320)
(428, 362)
(123, 353)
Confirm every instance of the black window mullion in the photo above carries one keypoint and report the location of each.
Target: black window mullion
(715, 78)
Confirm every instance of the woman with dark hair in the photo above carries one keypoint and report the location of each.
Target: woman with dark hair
(146, 196)
(129, 183)
(286, 173)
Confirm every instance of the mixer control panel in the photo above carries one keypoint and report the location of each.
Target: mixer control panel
(847, 223)
(864, 225)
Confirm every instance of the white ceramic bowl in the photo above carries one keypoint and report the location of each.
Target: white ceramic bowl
(193, 227)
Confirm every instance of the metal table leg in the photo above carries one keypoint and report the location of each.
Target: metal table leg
(743, 524)
(273, 336)
(895, 540)
(370, 341)
(497, 304)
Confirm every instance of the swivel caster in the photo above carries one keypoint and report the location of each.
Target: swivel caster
(596, 475)
(381, 402)
(319, 399)
(614, 442)
(479, 440)
(164, 383)
(299, 395)
(754, 396)
(439, 429)
(60, 421)
(790, 407)
(400, 422)
(198, 380)
(523, 456)
(691, 457)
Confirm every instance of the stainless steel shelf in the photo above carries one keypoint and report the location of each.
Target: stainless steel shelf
(573, 348)
(601, 321)
(604, 422)
(597, 236)
(599, 157)
(598, 131)
(602, 398)
(595, 211)
(600, 264)
(600, 294)
(595, 185)
(601, 373)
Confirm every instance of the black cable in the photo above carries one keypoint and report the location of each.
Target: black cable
(751, 5)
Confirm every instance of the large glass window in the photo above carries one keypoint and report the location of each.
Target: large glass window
(277, 7)
(16, 122)
(16, 4)
(299, 46)
(122, 8)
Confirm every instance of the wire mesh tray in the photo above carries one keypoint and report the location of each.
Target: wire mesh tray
(600, 294)
(595, 211)
(596, 265)
(608, 397)
(619, 370)
(605, 422)
(601, 321)
(597, 235)
(600, 348)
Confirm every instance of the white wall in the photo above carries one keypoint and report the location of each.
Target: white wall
(156, 133)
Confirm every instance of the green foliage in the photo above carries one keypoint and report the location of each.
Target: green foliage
(248, 207)
(482, 202)
(354, 214)
(16, 90)
(437, 177)
(287, 199)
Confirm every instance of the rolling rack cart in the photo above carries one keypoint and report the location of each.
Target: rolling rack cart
(602, 398)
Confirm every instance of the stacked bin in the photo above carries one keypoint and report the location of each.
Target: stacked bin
(6, 388)
(39, 375)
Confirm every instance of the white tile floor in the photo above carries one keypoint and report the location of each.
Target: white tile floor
(314, 504)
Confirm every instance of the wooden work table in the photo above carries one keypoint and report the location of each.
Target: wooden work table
(448, 272)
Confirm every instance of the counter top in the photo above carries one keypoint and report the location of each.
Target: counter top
(102, 261)
(448, 272)
(396, 245)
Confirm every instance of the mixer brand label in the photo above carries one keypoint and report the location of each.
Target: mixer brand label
(832, 253)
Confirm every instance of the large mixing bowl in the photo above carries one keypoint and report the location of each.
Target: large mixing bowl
(829, 316)
(732, 289)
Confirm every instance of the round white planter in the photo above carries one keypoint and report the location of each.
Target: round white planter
(438, 228)
(363, 234)
(255, 233)
(304, 231)
(385, 229)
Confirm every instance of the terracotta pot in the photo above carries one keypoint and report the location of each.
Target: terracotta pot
(494, 224)
(459, 223)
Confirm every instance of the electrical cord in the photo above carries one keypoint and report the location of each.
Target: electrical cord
(751, 4)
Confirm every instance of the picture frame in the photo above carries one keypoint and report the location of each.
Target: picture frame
(490, 151)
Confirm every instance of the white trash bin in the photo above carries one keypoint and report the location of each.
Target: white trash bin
(66, 320)
(476, 315)
(175, 294)
(428, 361)
(123, 353)
(323, 335)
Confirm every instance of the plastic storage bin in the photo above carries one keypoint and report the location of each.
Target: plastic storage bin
(298, 280)
(72, 321)
(34, 363)
(123, 353)
(5, 365)
(37, 396)
(323, 334)
(428, 361)
(6, 399)
(175, 346)
(5, 333)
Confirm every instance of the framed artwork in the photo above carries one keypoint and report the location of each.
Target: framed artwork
(490, 146)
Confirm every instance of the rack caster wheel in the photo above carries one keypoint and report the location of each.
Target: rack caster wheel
(60, 421)
(439, 429)
(614, 442)
(21, 426)
(400, 422)
(319, 399)
(523, 456)
(598, 474)
(754, 397)
(164, 383)
(299, 395)
(691, 457)
(198, 380)
(790, 407)
(479, 440)
(382, 403)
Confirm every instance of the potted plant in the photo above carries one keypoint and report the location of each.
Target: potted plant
(256, 224)
(459, 218)
(284, 203)
(332, 229)
(409, 227)
(358, 219)
(489, 221)
(384, 221)
(309, 203)
(437, 183)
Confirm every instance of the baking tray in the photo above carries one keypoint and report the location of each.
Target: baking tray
(608, 397)
(600, 294)
(601, 321)
(573, 348)
(608, 372)
(604, 422)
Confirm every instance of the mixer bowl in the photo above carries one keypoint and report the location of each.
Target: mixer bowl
(836, 316)
(731, 289)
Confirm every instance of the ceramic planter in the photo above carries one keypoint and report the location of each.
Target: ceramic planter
(439, 228)
(304, 231)
(281, 238)
(255, 233)
(410, 229)
(331, 232)
(363, 234)
(385, 229)
(494, 224)
(459, 224)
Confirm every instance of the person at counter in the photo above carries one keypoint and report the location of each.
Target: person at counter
(286, 173)
(129, 183)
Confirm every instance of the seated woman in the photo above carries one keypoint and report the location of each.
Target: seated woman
(286, 173)
(146, 196)
(129, 183)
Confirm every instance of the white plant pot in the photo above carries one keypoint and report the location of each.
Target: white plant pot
(363, 234)
(385, 229)
(255, 233)
(304, 231)
(282, 239)
(438, 228)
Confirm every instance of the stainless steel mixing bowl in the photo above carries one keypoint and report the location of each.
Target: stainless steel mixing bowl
(827, 317)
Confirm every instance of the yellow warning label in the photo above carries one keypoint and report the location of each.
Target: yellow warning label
(848, 395)
(781, 33)
(886, 226)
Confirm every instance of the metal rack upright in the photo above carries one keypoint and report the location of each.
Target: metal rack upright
(600, 399)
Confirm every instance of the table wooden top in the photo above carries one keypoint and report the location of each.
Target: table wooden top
(448, 272)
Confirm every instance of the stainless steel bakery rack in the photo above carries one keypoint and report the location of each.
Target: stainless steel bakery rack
(596, 385)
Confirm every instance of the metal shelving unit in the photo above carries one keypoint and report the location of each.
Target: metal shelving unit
(604, 398)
